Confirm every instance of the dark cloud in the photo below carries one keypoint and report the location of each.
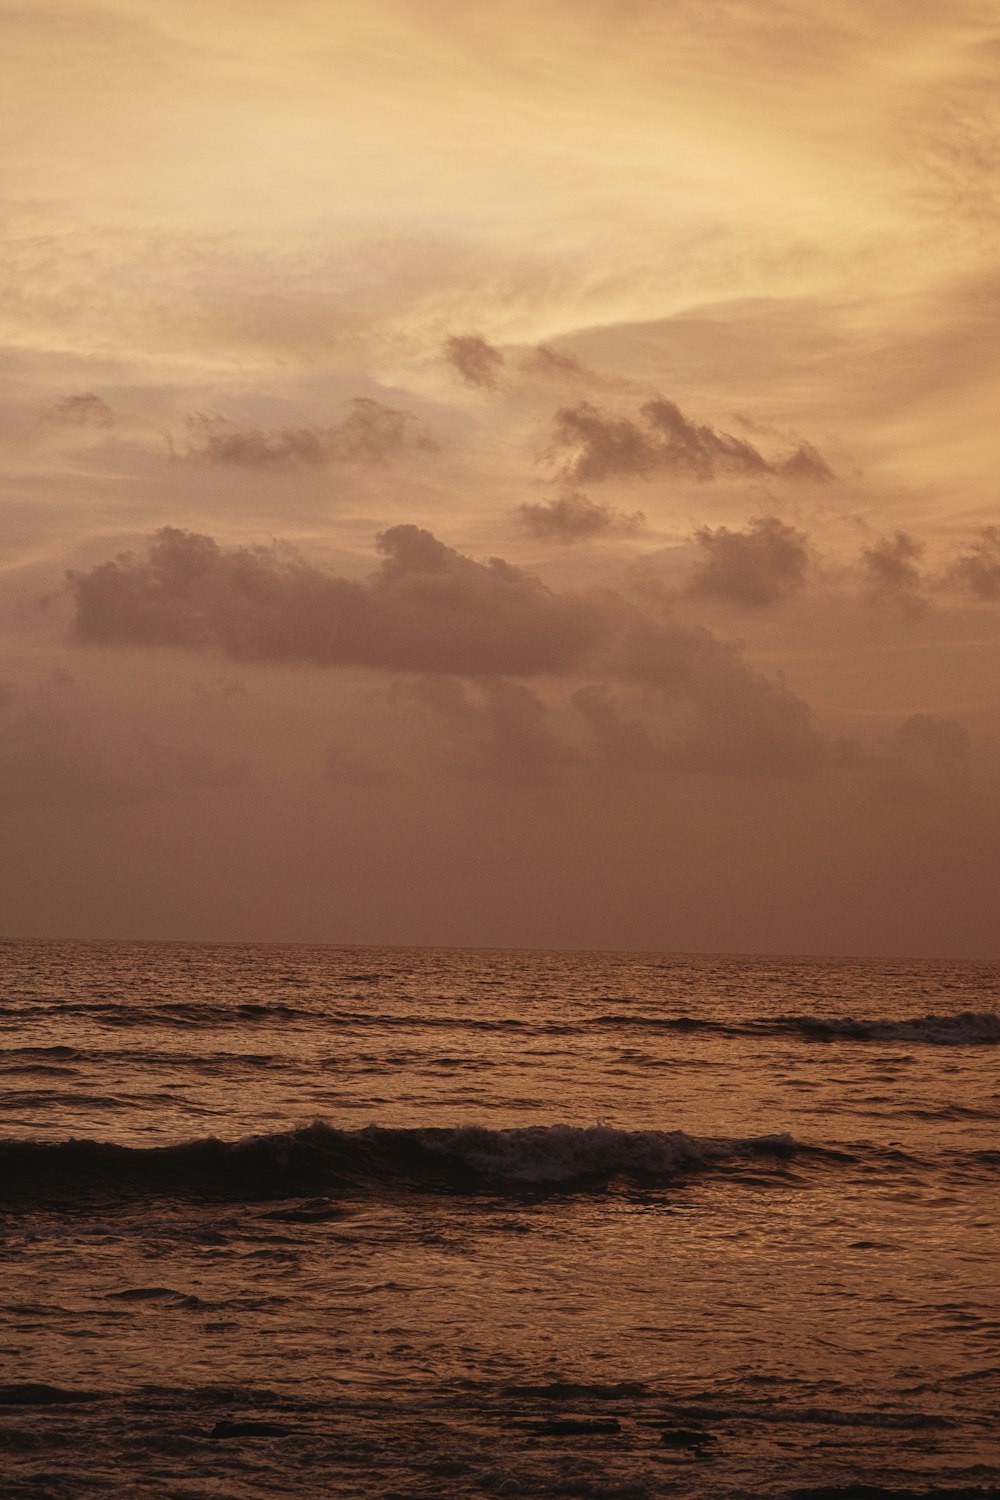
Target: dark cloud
(475, 359)
(756, 567)
(503, 729)
(370, 433)
(598, 445)
(698, 449)
(979, 568)
(892, 573)
(575, 518)
(85, 410)
(426, 609)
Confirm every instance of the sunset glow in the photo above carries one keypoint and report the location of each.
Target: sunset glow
(686, 312)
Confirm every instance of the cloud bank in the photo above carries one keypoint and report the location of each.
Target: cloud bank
(426, 609)
(431, 611)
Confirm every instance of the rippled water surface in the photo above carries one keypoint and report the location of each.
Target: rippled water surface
(377, 1222)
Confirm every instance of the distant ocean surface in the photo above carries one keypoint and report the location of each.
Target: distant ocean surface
(423, 1223)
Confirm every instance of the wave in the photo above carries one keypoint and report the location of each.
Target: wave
(321, 1158)
(964, 1029)
(123, 1014)
(810, 1416)
(970, 1028)
(210, 1015)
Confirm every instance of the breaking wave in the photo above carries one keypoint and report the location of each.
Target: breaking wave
(970, 1028)
(319, 1157)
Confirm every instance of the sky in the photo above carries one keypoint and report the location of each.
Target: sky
(511, 475)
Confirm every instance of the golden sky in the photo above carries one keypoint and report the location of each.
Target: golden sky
(592, 410)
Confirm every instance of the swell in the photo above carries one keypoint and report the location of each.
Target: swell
(321, 1158)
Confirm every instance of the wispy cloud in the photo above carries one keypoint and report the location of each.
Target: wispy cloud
(370, 433)
(84, 410)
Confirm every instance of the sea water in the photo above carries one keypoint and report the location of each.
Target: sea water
(318, 1221)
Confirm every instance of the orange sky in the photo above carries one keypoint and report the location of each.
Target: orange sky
(684, 311)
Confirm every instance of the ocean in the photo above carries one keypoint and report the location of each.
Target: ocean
(385, 1222)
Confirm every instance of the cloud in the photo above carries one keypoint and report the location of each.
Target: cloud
(85, 410)
(553, 364)
(370, 433)
(575, 518)
(426, 609)
(429, 611)
(807, 463)
(891, 571)
(599, 445)
(755, 568)
(503, 729)
(979, 568)
(927, 756)
(475, 359)
(625, 744)
(746, 726)
(733, 719)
